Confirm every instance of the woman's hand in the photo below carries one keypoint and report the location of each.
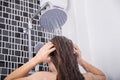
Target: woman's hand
(78, 53)
(43, 53)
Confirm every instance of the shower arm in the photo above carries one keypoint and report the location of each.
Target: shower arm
(40, 9)
(30, 25)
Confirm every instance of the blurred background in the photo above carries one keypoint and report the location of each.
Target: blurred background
(93, 25)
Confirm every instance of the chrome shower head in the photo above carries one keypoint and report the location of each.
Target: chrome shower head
(53, 18)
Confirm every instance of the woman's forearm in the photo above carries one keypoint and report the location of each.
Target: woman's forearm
(90, 68)
(40, 57)
(23, 70)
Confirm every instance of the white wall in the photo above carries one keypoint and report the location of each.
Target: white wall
(95, 26)
(103, 18)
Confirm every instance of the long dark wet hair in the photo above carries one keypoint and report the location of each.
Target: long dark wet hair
(65, 60)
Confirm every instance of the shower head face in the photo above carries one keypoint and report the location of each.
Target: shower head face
(53, 18)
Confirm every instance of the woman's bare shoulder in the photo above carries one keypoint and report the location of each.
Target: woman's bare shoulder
(42, 75)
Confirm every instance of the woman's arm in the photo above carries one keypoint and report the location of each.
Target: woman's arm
(92, 72)
(23, 70)
(90, 68)
(40, 57)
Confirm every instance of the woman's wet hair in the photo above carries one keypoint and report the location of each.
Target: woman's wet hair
(65, 60)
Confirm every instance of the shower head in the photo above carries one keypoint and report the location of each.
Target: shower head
(53, 17)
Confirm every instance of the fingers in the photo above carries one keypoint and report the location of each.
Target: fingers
(75, 46)
(44, 52)
(49, 45)
(52, 49)
(76, 49)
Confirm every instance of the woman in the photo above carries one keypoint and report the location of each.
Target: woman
(62, 58)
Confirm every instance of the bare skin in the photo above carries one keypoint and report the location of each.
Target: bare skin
(92, 73)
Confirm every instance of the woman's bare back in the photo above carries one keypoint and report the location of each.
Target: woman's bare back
(42, 76)
(52, 76)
